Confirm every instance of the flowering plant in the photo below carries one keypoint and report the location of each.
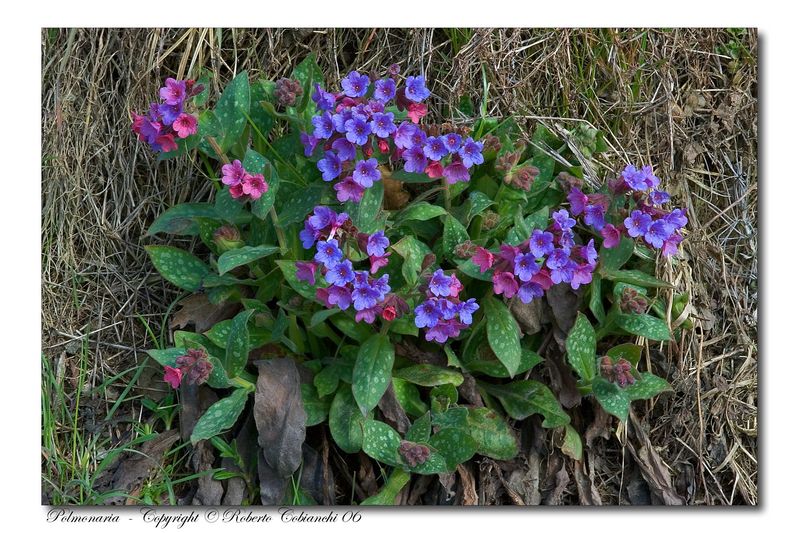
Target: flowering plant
(400, 282)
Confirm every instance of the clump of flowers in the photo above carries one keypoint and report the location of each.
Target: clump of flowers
(442, 312)
(194, 366)
(413, 453)
(356, 127)
(619, 372)
(287, 91)
(337, 241)
(547, 258)
(242, 184)
(168, 120)
(632, 302)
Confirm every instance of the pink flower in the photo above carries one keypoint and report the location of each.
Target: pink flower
(377, 262)
(434, 170)
(167, 142)
(233, 173)
(254, 185)
(236, 191)
(610, 236)
(348, 190)
(416, 111)
(505, 283)
(455, 287)
(185, 125)
(173, 376)
(483, 258)
(382, 145)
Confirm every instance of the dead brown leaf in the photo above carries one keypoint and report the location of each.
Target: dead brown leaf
(393, 411)
(198, 310)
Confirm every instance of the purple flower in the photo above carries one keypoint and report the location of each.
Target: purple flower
(328, 253)
(376, 262)
(324, 100)
(434, 148)
(525, 266)
(348, 190)
(415, 161)
(560, 266)
(562, 220)
(447, 309)
(440, 333)
(309, 142)
(355, 84)
(340, 120)
(233, 173)
(427, 314)
(173, 92)
(381, 285)
(383, 124)
(323, 218)
(440, 283)
(649, 177)
(340, 274)
(577, 201)
(358, 130)
(376, 244)
(466, 309)
(541, 243)
(322, 126)
(471, 152)
(345, 150)
(366, 173)
(595, 216)
(455, 172)
(404, 136)
(364, 297)
(308, 236)
(170, 112)
(415, 89)
(530, 290)
(330, 166)
(505, 284)
(582, 276)
(588, 252)
(659, 197)
(677, 218)
(367, 315)
(637, 223)
(306, 271)
(670, 244)
(610, 236)
(339, 296)
(452, 141)
(658, 232)
(385, 89)
(634, 178)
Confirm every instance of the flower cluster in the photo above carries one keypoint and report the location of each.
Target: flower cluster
(547, 258)
(442, 312)
(331, 234)
(618, 372)
(287, 91)
(168, 120)
(194, 366)
(242, 184)
(659, 228)
(356, 122)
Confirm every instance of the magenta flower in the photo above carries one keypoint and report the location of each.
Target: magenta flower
(483, 259)
(185, 125)
(173, 92)
(173, 376)
(167, 142)
(610, 236)
(670, 245)
(577, 201)
(348, 191)
(416, 112)
(306, 271)
(254, 185)
(434, 170)
(376, 262)
(455, 172)
(355, 84)
(505, 283)
(233, 173)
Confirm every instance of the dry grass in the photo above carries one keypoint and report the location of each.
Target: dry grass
(679, 99)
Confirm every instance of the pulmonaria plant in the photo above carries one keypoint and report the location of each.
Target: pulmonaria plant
(403, 320)
(359, 129)
(168, 120)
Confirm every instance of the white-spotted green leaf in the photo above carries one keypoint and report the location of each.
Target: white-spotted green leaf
(300, 203)
(237, 349)
(346, 421)
(220, 416)
(478, 202)
(455, 445)
(181, 219)
(366, 213)
(413, 252)
(454, 234)
(614, 258)
(630, 352)
(244, 256)
(231, 109)
(381, 442)
(644, 325)
(581, 348)
(316, 408)
(521, 399)
(255, 163)
(420, 429)
(493, 435)
(409, 398)
(371, 374)
(420, 211)
(503, 334)
(428, 375)
(612, 399)
(595, 303)
(646, 387)
(167, 356)
(178, 266)
(468, 267)
(635, 277)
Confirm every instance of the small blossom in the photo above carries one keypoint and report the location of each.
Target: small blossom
(347, 190)
(434, 148)
(471, 153)
(173, 92)
(525, 266)
(529, 291)
(595, 216)
(366, 173)
(634, 178)
(173, 376)
(637, 223)
(355, 84)
(309, 142)
(330, 166)
(434, 170)
(440, 283)
(415, 89)
(466, 309)
(185, 125)
(340, 274)
(324, 100)
(357, 130)
(166, 142)
(328, 253)
(577, 201)
(483, 259)
(455, 172)
(659, 197)
(541, 243)
(657, 232)
(233, 173)
(254, 185)
(385, 89)
(383, 124)
(322, 126)
(610, 236)
(416, 112)
(306, 271)
(376, 244)
(505, 284)
(452, 141)
(415, 160)
(405, 135)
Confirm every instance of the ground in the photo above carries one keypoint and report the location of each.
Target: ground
(683, 100)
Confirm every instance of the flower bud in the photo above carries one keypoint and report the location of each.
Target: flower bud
(632, 302)
(195, 365)
(414, 454)
(465, 250)
(393, 70)
(287, 91)
(523, 177)
(228, 238)
(490, 220)
(491, 144)
(507, 161)
(567, 181)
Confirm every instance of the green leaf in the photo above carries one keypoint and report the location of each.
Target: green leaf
(178, 266)
(503, 333)
(413, 252)
(410, 177)
(346, 421)
(231, 109)
(316, 409)
(307, 73)
(408, 397)
(366, 214)
(492, 367)
(595, 303)
(388, 494)
(454, 234)
(645, 325)
(478, 202)
(420, 429)
(429, 375)
(255, 163)
(244, 256)
(300, 204)
(635, 277)
(619, 287)
(455, 445)
(468, 267)
(420, 211)
(220, 416)
(261, 90)
(289, 270)
(630, 352)
(228, 208)
(521, 399)
(182, 219)
(581, 348)
(167, 356)
(647, 386)
(238, 344)
(612, 399)
(614, 258)
(493, 436)
(572, 444)
(359, 331)
(381, 442)
(320, 316)
(371, 374)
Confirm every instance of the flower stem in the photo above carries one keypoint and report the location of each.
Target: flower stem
(447, 198)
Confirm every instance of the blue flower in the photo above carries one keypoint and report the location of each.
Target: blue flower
(530, 290)
(541, 243)
(637, 223)
(415, 89)
(344, 149)
(525, 266)
(452, 141)
(659, 197)
(466, 309)
(383, 124)
(415, 160)
(595, 216)
(340, 274)
(330, 166)
(376, 244)
(358, 130)
(435, 149)
(355, 84)
(322, 126)
(366, 173)
(427, 314)
(440, 283)
(385, 89)
(328, 253)
(324, 100)
(471, 152)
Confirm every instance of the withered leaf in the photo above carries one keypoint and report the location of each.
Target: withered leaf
(279, 414)
(393, 411)
(197, 309)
